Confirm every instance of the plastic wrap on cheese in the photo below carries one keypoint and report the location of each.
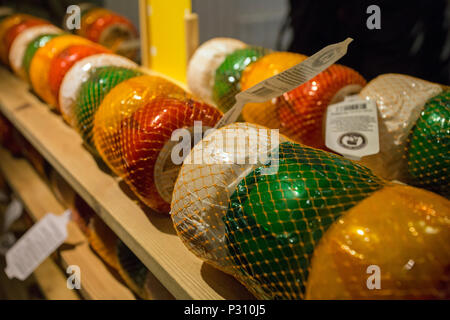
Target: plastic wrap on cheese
(78, 74)
(394, 244)
(400, 100)
(132, 133)
(21, 42)
(39, 72)
(428, 147)
(203, 64)
(262, 227)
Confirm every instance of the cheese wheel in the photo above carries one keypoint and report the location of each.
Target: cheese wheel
(78, 74)
(203, 64)
(103, 241)
(206, 180)
(88, 18)
(33, 47)
(429, 145)
(92, 92)
(302, 110)
(40, 65)
(16, 30)
(21, 42)
(132, 131)
(96, 31)
(266, 113)
(401, 231)
(264, 234)
(228, 75)
(399, 99)
(5, 25)
(61, 64)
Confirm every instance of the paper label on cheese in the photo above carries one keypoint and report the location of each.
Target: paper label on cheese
(12, 213)
(287, 80)
(352, 128)
(36, 245)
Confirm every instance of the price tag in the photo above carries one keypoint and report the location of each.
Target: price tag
(287, 80)
(36, 245)
(352, 128)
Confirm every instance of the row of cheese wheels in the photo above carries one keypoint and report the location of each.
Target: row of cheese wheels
(260, 227)
(414, 115)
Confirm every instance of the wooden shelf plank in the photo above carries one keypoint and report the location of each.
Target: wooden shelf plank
(151, 237)
(96, 280)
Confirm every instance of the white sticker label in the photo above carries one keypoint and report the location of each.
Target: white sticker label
(287, 80)
(352, 128)
(36, 245)
(13, 212)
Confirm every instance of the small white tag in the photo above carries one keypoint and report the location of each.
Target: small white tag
(36, 245)
(287, 80)
(12, 213)
(352, 128)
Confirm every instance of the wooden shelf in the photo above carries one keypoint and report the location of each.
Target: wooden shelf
(150, 236)
(97, 282)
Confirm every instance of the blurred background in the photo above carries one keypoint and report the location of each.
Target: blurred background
(414, 37)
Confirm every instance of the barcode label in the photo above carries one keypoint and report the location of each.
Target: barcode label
(355, 107)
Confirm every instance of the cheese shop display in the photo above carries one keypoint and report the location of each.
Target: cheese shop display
(132, 132)
(41, 63)
(400, 232)
(203, 64)
(265, 233)
(400, 100)
(92, 92)
(21, 42)
(428, 147)
(77, 75)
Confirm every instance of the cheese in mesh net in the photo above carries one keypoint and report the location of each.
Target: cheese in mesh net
(92, 92)
(400, 100)
(428, 147)
(203, 64)
(78, 74)
(62, 63)
(6, 24)
(21, 42)
(404, 231)
(132, 131)
(228, 75)
(267, 234)
(39, 72)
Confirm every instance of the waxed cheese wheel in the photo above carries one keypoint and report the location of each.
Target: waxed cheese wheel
(88, 18)
(92, 92)
(132, 132)
(400, 100)
(206, 181)
(21, 42)
(5, 25)
(399, 234)
(78, 74)
(33, 47)
(16, 30)
(302, 110)
(40, 64)
(228, 75)
(61, 64)
(429, 145)
(274, 221)
(203, 64)
(266, 113)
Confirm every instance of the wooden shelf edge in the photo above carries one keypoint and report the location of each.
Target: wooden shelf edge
(97, 282)
(151, 238)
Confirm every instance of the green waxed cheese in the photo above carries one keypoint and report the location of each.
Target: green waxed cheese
(228, 75)
(34, 46)
(274, 221)
(92, 92)
(134, 269)
(428, 153)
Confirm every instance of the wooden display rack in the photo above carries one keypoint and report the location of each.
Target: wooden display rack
(149, 235)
